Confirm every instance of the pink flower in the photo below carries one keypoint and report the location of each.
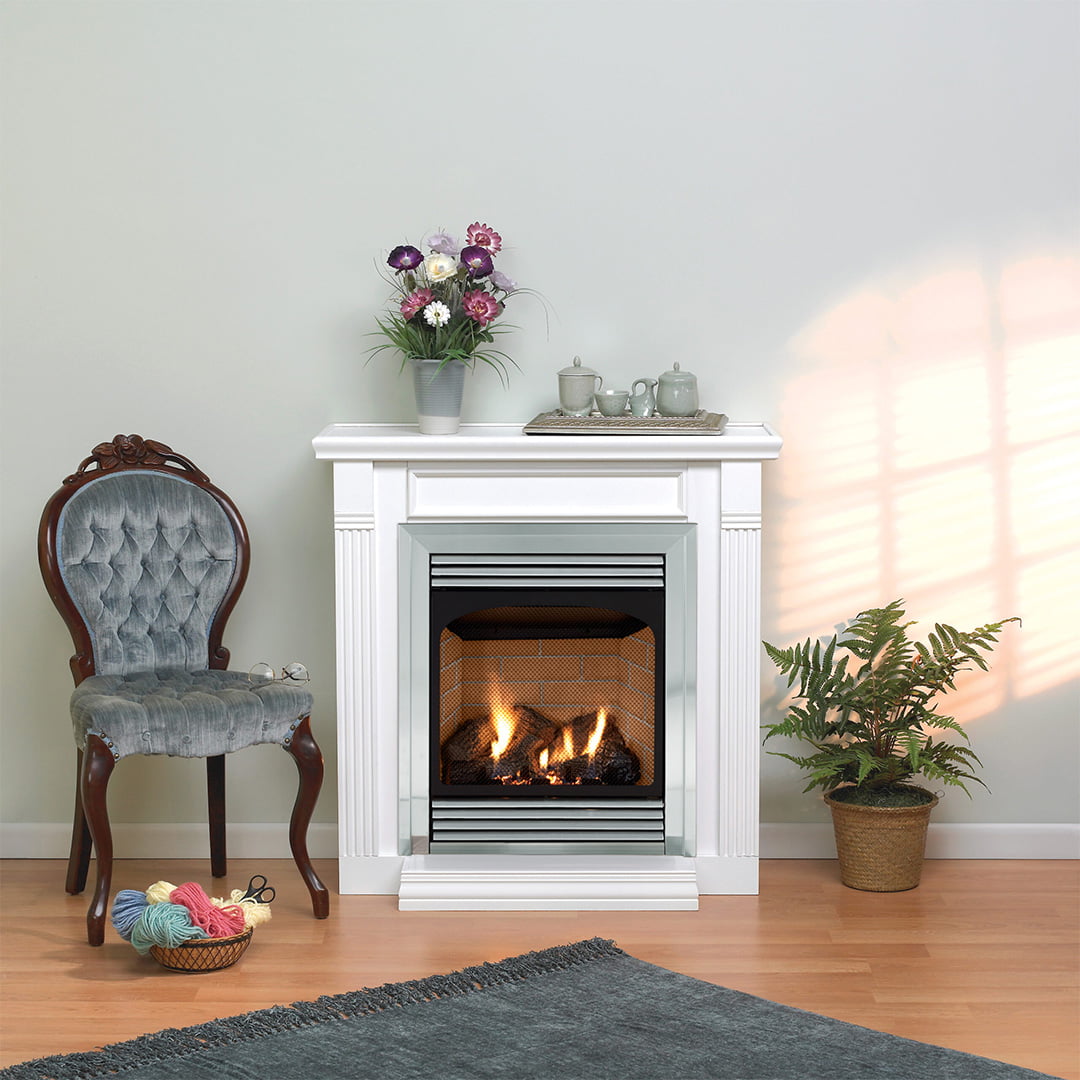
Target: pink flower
(480, 306)
(484, 236)
(415, 301)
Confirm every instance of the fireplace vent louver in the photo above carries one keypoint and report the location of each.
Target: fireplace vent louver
(616, 822)
(608, 571)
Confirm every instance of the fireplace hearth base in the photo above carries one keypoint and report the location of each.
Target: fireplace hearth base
(548, 883)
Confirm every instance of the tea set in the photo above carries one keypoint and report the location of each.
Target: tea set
(674, 393)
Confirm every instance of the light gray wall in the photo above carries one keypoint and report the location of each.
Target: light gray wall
(857, 221)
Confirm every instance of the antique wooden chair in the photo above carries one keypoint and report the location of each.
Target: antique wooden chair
(144, 558)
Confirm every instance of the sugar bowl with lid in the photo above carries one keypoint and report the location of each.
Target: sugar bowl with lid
(677, 393)
(577, 385)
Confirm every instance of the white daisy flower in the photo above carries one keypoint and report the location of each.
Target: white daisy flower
(437, 314)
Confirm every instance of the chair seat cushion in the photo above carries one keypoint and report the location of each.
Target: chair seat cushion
(185, 713)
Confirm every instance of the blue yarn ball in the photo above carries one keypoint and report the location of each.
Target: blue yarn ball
(127, 907)
(166, 925)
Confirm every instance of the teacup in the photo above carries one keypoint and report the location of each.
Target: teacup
(612, 402)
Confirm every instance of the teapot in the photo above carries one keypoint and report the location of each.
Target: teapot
(577, 385)
(677, 394)
(643, 404)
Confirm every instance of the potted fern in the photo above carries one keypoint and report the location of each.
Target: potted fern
(864, 706)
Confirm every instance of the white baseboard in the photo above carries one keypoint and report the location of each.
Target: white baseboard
(779, 840)
(790, 840)
(181, 841)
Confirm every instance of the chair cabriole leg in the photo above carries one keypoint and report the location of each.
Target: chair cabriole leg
(79, 856)
(97, 767)
(215, 792)
(309, 762)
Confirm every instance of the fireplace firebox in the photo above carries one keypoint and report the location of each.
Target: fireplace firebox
(539, 693)
(546, 700)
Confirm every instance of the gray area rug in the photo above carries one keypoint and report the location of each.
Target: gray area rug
(578, 1012)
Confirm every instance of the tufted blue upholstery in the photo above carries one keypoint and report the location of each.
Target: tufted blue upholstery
(147, 558)
(185, 713)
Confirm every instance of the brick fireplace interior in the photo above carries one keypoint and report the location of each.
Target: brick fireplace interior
(561, 679)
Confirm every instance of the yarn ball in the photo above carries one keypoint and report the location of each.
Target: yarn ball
(166, 925)
(216, 921)
(159, 892)
(127, 907)
(255, 913)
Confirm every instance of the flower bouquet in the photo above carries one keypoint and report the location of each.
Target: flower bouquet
(448, 301)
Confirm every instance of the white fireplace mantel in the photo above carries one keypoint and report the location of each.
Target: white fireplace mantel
(388, 475)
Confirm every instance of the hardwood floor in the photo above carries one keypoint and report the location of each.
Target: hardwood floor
(982, 957)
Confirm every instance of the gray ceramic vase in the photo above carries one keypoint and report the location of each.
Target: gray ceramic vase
(438, 392)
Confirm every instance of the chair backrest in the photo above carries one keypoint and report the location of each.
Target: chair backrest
(144, 558)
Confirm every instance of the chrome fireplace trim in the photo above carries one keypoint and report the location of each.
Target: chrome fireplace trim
(588, 826)
(670, 546)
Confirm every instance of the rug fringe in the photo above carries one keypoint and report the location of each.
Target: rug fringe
(177, 1042)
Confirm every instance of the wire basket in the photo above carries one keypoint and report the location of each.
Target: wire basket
(203, 954)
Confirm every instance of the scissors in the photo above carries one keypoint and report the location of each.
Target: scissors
(259, 891)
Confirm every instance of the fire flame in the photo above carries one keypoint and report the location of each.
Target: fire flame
(597, 734)
(504, 728)
(550, 757)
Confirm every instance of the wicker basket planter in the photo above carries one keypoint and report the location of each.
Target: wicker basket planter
(203, 954)
(880, 848)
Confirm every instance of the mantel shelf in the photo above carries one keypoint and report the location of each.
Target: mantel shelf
(740, 441)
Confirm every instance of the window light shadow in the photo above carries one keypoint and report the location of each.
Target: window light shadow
(932, 451)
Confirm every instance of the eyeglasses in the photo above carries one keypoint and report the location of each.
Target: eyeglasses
(261, 674)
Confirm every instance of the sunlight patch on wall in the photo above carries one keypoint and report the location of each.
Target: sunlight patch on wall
(940, 525)
(1042, 388)
(1044, 487)
(1048, 594)
(932, 451)
(929, 427)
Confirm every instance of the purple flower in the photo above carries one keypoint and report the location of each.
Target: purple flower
(503, 281)
(405, 257)
(443, 243)
(478, 260)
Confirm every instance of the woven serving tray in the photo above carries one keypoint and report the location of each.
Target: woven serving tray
(555, 423)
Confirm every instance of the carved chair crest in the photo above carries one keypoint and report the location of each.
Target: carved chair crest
(131, 451)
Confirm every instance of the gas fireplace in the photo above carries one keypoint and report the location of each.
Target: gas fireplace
(548, 665)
